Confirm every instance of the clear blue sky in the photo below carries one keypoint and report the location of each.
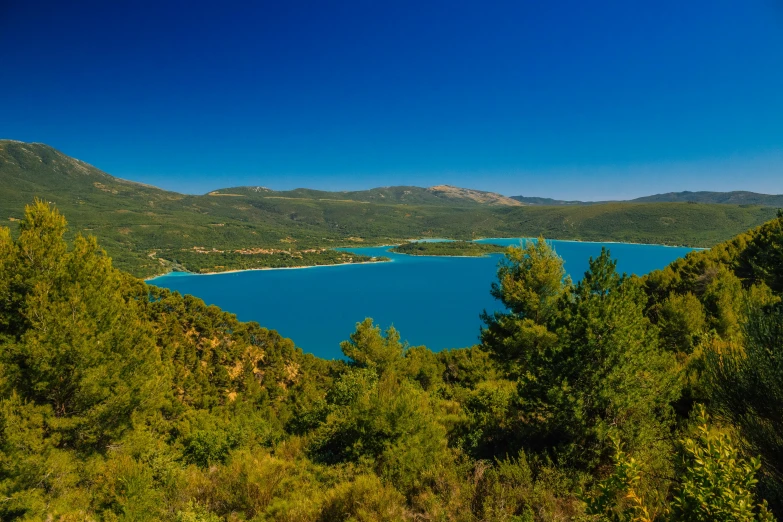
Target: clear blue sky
(578, 100)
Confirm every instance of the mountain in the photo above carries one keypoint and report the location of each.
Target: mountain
(528, 200)
(721, 198)
(147, 230)
(406, 195)
(491, 198)
(28, 169)
(724, 198)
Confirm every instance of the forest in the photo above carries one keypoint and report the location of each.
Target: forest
(614, 398)
(447, 248)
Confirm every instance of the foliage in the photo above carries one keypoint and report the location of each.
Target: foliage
(531, 283)
(617, 498)
(747, 389)
(389, 425)
(447, 248)
(717, 484)
(681, 321)
(75, 344)
(122, 401)
(367, 348)
(594, 362)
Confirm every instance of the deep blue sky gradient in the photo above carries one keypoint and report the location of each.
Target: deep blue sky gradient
(567, 99)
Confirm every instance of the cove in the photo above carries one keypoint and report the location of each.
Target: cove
(432, 301)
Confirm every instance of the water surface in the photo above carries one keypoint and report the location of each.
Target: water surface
(434, 301)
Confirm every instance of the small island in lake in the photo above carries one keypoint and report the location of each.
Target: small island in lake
(448, 248)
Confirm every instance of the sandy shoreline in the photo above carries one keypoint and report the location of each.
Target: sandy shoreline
(264, 268)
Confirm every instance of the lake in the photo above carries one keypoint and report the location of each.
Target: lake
(432, 301)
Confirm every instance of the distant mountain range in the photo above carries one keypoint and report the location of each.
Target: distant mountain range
(405, 195)
(449, 195)
(723, 198)
(148, 230)
(738, 197)
(529, 200)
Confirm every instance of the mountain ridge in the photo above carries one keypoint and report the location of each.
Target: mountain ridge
(449, 193)
(735, 197)
(148, 230)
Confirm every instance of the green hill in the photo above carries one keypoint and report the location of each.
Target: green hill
(404, 195)
(729, 198)
(148, 231)
(531, 200)
(737, 197)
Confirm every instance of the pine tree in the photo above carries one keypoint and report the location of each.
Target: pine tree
(531, 284)
(73, 342)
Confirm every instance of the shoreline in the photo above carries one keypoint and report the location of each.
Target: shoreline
(349, 249)
(598, 242)
(427, 240)
(238, 270)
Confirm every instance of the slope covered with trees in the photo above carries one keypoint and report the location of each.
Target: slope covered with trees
(737, 197)
(447, 248)
(148, 231)
(617, 398)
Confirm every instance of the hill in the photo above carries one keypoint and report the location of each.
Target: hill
(149, 231)
(404, 195)
(530, 200)
(724, 198)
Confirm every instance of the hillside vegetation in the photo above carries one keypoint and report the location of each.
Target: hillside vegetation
(439, 195)
(149, 231)
(614, 399)
(447, 248)
(532, 200)
(737, 197)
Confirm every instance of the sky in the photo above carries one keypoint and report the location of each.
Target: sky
(565, 99)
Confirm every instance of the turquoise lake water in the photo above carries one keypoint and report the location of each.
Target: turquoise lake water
(432, 301)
